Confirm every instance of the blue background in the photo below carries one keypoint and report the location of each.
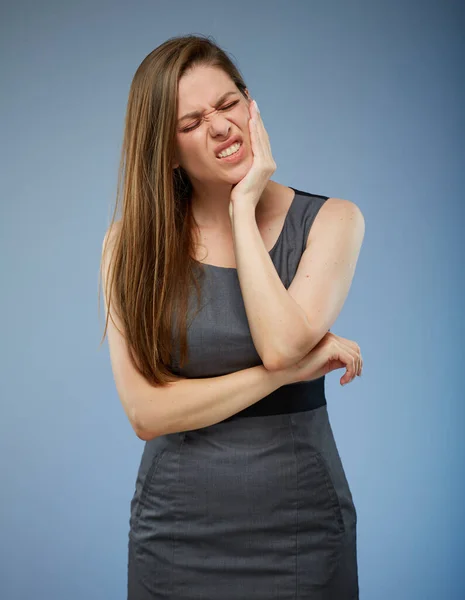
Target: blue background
(362, 100)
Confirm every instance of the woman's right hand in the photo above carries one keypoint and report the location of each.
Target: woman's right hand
(332, 352)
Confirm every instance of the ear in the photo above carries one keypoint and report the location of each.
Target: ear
(248, 95)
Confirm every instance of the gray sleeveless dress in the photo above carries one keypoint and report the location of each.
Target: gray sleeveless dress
(256, 507)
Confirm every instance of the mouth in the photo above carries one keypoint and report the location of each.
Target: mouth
(233, 154)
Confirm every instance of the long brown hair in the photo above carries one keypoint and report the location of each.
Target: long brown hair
(152, 269)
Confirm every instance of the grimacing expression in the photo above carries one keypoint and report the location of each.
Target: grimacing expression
(198, 135)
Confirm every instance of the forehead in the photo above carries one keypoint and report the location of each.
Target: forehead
(201, 86)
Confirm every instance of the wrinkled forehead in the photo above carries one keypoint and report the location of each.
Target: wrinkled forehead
(200, 88)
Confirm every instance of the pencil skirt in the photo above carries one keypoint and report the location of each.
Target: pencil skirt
(256, 508)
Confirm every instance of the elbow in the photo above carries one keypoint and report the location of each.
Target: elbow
(142, 434)
(140, 428)
(272, 364)
(290, 355)
(149, 414)
(152, 426)
(144, 430)
(281, 361)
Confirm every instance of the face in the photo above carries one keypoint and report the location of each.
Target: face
(199, 136)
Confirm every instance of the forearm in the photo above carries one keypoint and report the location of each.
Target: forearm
(189, 404)
(276, 321)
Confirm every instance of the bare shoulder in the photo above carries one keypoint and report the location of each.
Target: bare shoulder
(338, 216)
(110, 236)
(106, 264)
(338, 207)
(280, 198)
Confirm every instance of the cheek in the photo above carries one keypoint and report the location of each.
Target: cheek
(194, 153)
(189, 147)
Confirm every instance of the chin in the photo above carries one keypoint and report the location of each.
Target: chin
(239, 172)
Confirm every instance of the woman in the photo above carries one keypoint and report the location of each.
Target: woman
(240, 493)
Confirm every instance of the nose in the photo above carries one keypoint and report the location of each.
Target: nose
(219, 124)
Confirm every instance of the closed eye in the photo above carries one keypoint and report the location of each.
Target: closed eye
(227, 107)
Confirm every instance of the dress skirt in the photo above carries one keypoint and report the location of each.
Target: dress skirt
(249, 509)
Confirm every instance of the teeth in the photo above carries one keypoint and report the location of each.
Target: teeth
(234, 148)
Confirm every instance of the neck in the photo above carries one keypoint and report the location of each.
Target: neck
(210, 204)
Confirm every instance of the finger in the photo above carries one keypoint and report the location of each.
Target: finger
(349, 361)
(359, 363)
(342, 355)
(261, 131)
(258, 136)
(255, 143)
(259, 119)
(349, 357)
(354, 349)
(354, 366)
(256, 112)
(261, 128)
(255, 136)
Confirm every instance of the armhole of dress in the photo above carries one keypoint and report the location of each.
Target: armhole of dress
(315, 202)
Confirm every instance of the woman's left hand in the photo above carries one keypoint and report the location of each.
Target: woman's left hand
(249, 189)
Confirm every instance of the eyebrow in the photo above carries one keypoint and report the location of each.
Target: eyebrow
(199, 113)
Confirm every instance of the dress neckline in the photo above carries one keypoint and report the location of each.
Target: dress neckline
(281, 233)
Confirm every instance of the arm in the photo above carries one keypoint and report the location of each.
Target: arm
(184, 404)
(193, 403)
(286, 324)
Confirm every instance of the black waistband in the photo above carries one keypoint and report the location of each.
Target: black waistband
(296, 397)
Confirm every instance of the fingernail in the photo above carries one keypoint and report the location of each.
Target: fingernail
(256, 106)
